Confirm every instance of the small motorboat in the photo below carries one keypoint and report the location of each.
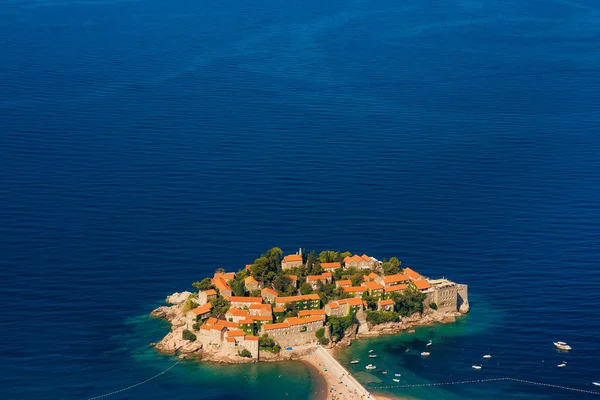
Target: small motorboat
(562, 365)
(370, 366)
(429, 343)
(397, 374)
(562, 346)
(354, 362)
(476, 366)
(370, 351)
(425, 354)
(384, 372)
(597, 383)
(487, 356)
(396, 380)
(372, 355)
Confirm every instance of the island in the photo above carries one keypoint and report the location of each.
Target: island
(284, 308)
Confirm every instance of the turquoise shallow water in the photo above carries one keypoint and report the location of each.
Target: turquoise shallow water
(146, 142)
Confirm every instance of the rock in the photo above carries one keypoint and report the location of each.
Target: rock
(160, 312)
(464, 308)
(411, 331)
(178, 298)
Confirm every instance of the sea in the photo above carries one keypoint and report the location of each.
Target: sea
(145, 143)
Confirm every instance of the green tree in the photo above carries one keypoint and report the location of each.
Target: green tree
(409, 301)
(265, 341)
(245, 353)
(380, 317)
(282, 283)
(323, 341)
(320, 333)
(255, 293)
(189, 304)
(187, 335)
(391, 266)
(433, 306)
(311, 259)
(220, 271)
(339, 325)
(305, 288)
(371, 302)
(219, 307)
(238, 288)
(204, 284)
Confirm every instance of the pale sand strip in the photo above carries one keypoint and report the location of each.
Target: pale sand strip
(337, 377)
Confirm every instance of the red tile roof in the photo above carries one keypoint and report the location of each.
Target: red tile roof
(248, 266)
(260, 307)
(269, 291)
(211, 292)
(306, 313)
(422, 284)
(237, 312)
(290, 299)
(243, 299)
(352, 289)
(278, 309)
(293, 277)
(395, 278)
(250, 279)
(321, 277)
(351, 302)
(269, 327)
(396, 288)
(411, 273)
(221, 284)
(292, 257)
(235, 333)
(387, 302)
(345, 282)
(202, 309)
(331, 265)
(250, 337)
(373, 285)
(301, 321)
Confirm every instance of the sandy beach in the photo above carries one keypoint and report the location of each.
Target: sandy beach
(343, 386)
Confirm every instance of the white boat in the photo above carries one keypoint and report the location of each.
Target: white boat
(397, 374)
(487, 356)
(396, 380)
(429, 344)
(562, 365)
(384, 372)
(370, 351)
(372, 355)
(370, 366)
(425, 354)
(597, 383)
(562, 346)
(476, 366)
(354, 362)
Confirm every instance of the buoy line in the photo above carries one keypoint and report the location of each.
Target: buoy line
(597, 393)
(135, 385)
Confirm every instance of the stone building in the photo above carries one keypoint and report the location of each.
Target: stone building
(392, 280)
(311, 313)
(235, 315)
(222, 287)
(373, 288)
(343, 283)
(387, 292)
(197, 314)
(361, 262)
(243, 302)
(205, 296)
(291, 261)
(260, 309)
(341, 308)
(356, 291)
(447, 295)
(251, 284)
(331, 266)
(294, 331)
(303, 302)
(268, 295)
(294, 280)
(385, 305)
(324, 278)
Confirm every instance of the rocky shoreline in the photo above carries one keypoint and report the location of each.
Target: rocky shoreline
(174, 344)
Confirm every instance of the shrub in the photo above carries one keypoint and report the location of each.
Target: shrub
(339, 325)
(324, 341)
(380, 317)
(196, 325)
(189, 304)
(433, 306)
(320, 333)
(245, 353)
(187, 335)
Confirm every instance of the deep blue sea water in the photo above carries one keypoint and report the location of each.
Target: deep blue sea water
(143, 143)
